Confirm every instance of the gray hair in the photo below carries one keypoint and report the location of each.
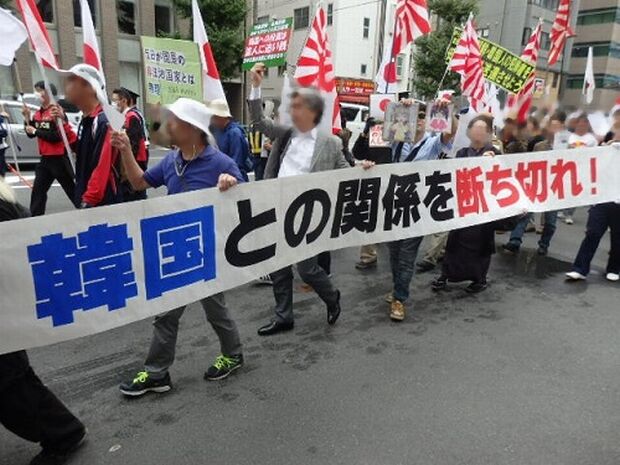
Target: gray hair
(313, 99)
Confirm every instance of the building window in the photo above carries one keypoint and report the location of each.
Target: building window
(363, 69)
(46, 10)
(330, 14)
(301, 18)
(126, 16)
(527, 33)
(599, 49)
(163, 19)
(400, 61)
(548, 4)
(77, 14)
(366, 29)
(602, 16)
(484, 32)
(603, 81)
(545, 41)
(262, 19)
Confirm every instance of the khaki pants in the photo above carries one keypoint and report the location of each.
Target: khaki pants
(437, 247)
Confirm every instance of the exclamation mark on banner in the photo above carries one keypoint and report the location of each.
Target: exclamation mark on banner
(593, 175)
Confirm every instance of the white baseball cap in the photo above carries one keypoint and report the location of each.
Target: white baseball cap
(192, 112)
(91, 75)
(219, 107)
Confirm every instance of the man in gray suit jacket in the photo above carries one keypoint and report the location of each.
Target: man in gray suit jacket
(297, 150)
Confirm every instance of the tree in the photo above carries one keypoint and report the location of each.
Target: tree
(225, 22)
(430, 58)
(6, 4)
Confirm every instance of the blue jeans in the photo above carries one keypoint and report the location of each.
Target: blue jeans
(403, 255)
(550, 219)
(600, 217)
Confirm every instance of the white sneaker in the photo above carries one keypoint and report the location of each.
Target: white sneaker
(561, 215)
(568, 220)
(574, 276)
(613, 277)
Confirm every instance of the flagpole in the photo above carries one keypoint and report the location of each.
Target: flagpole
(17, 79)
(59, 122)
(392, 57)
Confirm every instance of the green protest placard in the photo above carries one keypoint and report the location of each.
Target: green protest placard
(501, 67)
(268, 43)
(172, 69)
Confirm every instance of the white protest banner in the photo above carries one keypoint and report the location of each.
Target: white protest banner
(82, 272)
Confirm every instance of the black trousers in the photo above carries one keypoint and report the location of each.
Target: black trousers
(48, 170)
(325, 261)
(130, 195)
(31, 411)
(3, 167)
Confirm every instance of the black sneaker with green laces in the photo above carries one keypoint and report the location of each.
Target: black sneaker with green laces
(143, 383)
(223, 367)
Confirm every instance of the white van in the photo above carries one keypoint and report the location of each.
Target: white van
(355, 116)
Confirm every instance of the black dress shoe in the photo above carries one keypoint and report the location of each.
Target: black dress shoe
(333, 311)
(275, 327)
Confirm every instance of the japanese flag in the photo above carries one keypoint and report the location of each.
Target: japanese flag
(211, 85)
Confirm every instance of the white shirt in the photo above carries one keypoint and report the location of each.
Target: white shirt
(587, 140)
(298, 156)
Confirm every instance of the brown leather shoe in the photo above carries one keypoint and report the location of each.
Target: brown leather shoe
(397, 310)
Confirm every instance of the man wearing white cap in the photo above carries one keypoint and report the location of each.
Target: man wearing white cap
(196, 164)
(97, 180)
(230, 137)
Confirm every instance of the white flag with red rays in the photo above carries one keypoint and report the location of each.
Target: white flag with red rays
(315, 68)
(467, 61)
(522, 102)
(411, 21)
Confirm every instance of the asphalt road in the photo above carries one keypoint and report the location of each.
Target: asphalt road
(525, 373)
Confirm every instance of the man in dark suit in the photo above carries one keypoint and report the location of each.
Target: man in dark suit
(297, 150)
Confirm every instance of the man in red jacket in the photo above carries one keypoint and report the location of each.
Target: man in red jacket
(125, 101)
(97, 169)
(54, 164)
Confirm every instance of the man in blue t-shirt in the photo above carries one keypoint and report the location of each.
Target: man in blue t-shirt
(195, 165)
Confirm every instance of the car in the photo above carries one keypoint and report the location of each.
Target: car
(355, 116)
(74, 115)
(26, 149)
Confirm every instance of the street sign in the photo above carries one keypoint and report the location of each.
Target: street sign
(268, 43)
(354, 90)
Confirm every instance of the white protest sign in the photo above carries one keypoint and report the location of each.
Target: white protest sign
(81, 272)
(116, 120)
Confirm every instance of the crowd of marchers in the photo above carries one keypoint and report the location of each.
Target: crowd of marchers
(211, 150)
